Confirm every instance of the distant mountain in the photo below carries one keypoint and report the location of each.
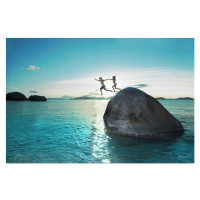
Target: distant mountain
(88, 97)
(56, 98)
(160, 98)
(180, 98)
(184, 98)
(91, 98)
(67, 97)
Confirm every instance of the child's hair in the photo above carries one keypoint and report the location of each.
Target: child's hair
(114, 77)
(100, 77)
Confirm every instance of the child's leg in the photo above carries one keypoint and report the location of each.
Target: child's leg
(113, 88)
(104, 87)
(101, 91)
(117, 88)
(109, 90)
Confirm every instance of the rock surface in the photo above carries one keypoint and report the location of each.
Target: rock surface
(37, 98)
(15, 96)
(132, 112)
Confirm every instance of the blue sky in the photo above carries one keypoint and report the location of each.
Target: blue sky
(58, 67)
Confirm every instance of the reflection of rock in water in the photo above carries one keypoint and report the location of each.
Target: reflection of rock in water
(132, 112)
(128, 141)
(125, 149)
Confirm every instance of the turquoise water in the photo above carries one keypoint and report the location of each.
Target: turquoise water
(72, 131)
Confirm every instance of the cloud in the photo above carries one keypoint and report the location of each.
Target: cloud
(32, 67)
(33, 91)
(140, 85)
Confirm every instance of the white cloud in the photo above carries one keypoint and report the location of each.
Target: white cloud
(33, 91)
(32, 67)
(141, 85)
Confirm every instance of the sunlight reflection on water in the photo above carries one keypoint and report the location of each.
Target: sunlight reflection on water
(100, 140)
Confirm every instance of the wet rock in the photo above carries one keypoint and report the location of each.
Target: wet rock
(37, 98)
(132, 112)
(15, 96)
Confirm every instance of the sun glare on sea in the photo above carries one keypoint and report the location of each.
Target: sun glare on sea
(107, 94)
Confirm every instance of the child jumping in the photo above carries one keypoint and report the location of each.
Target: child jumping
(102, 83)
(115, 84)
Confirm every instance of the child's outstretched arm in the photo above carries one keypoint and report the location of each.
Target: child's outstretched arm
(96, 79)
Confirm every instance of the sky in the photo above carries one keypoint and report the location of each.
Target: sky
(57, 67)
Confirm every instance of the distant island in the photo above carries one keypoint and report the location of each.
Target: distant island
(107, 98)
(17, 96)
(56, 98)
(92, 98)
(160, 98)
(180, 98)
(82, 98)
(20, 97)
(185, 98)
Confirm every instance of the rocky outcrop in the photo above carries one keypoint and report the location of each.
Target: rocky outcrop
(15, 96)
(37, 98)
(132, 112)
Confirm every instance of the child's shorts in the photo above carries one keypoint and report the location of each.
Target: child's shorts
(103, 87)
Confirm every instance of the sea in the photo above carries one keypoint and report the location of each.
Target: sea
(72, 131)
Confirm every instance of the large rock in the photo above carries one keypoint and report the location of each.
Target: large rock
(132, 112)
(15, 96)
(37, 98)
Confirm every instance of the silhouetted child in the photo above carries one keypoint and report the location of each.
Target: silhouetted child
(115, 84)
(102, 83)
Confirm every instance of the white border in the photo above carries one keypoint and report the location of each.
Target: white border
(99, 19)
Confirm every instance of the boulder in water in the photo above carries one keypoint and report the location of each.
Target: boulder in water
(37, 98)
(15, 96)
(132, 112)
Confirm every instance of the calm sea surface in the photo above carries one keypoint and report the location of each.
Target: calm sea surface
(72, 131)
